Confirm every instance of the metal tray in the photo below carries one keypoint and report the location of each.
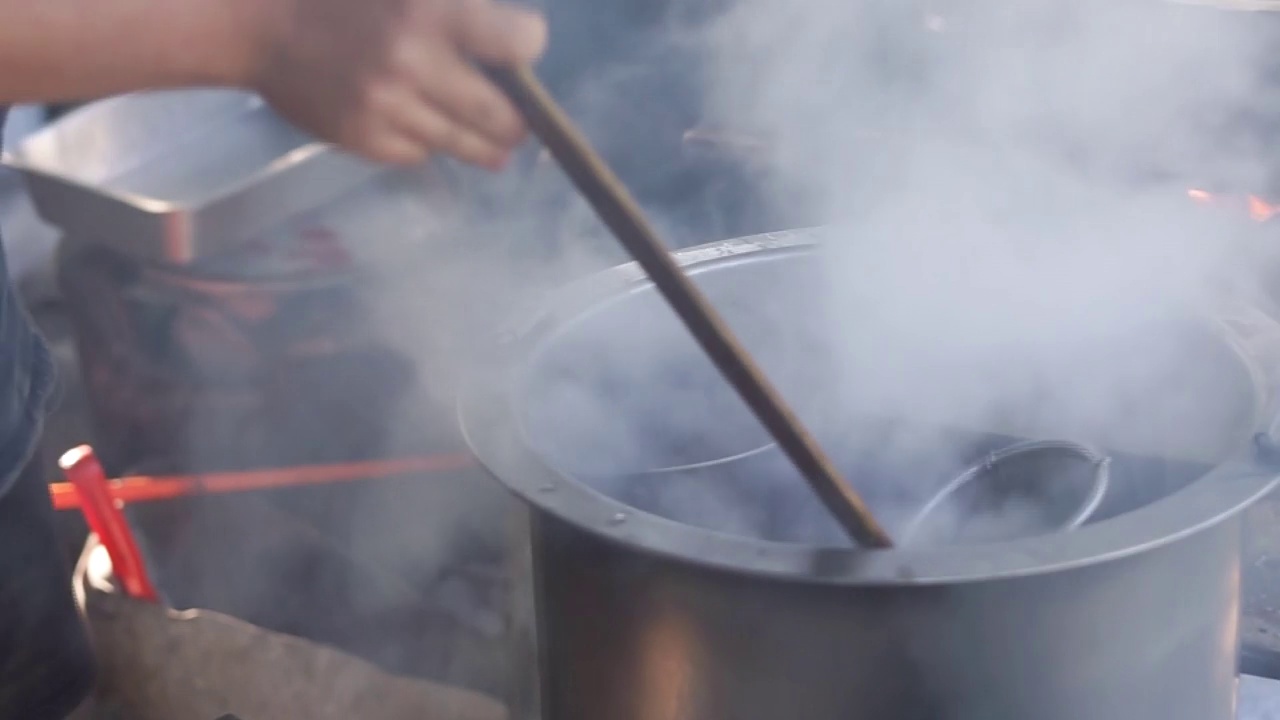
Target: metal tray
(176, 176)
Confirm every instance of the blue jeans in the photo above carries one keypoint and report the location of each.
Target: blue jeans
(46, 663)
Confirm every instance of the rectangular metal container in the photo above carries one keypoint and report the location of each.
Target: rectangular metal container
(176, 176)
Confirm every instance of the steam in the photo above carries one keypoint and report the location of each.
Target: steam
(1004, 185)
(1010, 237)
(1023, 187)
(1009, 232)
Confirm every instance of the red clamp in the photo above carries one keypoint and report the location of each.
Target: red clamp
(103, 514)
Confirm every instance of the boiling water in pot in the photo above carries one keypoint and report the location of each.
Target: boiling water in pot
(901, 468)
(622, 400)
(706, 463)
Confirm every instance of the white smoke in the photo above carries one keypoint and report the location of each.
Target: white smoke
(1010, 232)
(1008, 182)
(1006, 189)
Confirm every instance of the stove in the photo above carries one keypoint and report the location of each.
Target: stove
(265, 356)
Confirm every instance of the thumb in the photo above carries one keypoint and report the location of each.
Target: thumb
(500, 33)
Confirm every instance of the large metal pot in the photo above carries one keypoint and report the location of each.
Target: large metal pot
(636, 616)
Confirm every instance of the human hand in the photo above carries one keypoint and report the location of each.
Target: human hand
(394, 80)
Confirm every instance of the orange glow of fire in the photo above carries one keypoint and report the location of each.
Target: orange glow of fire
(1259, 210)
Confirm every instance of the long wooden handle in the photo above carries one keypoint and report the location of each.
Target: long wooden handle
(623, 216)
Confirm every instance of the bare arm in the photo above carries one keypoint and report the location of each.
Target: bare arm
(390, 79)
(54, 50)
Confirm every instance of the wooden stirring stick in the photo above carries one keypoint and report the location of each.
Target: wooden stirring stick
(623, 216)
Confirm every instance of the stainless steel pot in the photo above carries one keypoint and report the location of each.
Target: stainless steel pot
(637, 616)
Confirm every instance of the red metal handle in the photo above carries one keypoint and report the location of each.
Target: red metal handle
(103, 514)
(151, 488)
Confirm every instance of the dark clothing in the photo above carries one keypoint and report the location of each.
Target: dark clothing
(46, 666)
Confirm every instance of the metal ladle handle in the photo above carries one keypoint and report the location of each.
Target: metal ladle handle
(1089, 503)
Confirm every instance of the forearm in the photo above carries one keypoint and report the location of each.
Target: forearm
(55, 50)
(391, 80)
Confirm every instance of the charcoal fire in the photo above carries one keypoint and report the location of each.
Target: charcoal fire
(1256, 208)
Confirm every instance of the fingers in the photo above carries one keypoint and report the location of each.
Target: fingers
(411, 139)
(499, 33)
(430, 98)
(468, 98)
(390, 147)
(432, 128)
(437, 131)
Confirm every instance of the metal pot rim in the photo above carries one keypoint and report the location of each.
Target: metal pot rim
(491, 427)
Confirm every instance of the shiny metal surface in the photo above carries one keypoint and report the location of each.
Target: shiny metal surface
(639, 617)
(176, 176)
(1047, 498)
(635, 637)
(501, 438)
